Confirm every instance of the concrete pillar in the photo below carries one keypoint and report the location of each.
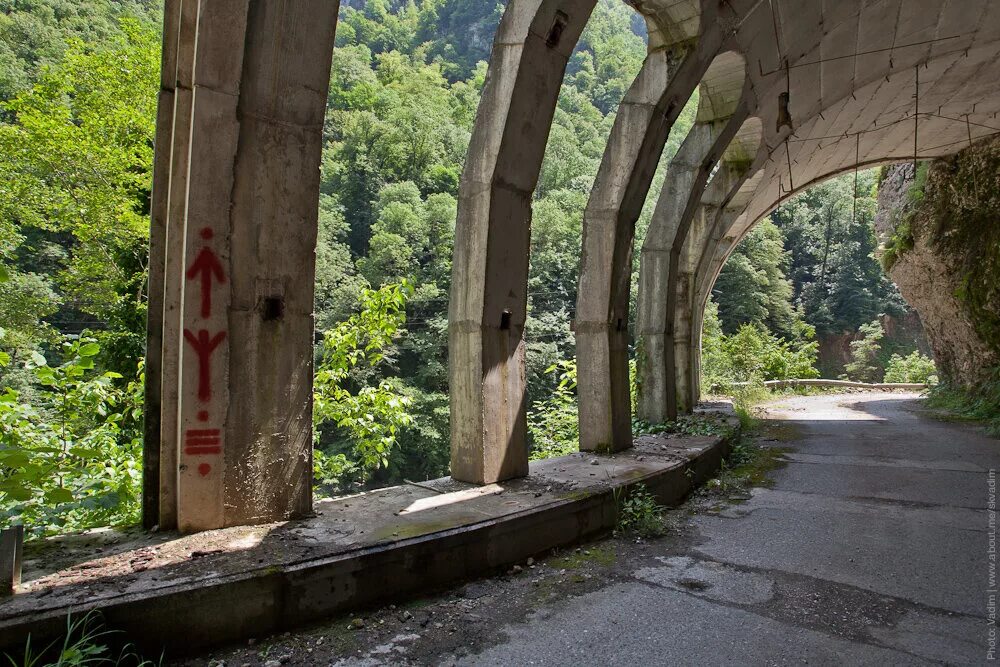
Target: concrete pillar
(238, 261)
(670, 225)
(689, 308)
(683, 315)
(157, 259)
(653, 366)
(641, 128)
(488, 301)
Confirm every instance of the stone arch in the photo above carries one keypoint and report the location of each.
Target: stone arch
(236, 178)
(875, 103)
(489, 281)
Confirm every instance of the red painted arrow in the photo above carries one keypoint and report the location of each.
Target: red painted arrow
(204, 346)
(208, 266)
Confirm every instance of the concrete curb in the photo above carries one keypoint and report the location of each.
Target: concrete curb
(215, 609)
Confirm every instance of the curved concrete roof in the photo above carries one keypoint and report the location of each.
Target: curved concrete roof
(853, 73)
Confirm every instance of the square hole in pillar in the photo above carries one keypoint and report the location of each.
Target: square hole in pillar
(272, 308)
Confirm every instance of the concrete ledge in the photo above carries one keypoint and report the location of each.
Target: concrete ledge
(185, 593)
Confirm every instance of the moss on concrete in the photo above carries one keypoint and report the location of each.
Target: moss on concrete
(602, 555)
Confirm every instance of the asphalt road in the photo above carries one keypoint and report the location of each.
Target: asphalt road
(870, 548)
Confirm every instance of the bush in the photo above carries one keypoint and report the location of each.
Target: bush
(640, 514)
(553, 423)
(71, 458)
(753, 355)
(913, 368)
(348, 393)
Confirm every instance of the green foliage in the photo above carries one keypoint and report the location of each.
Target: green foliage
(752, 288)
(915, 193)
(85, 644)
(75, 163)
(687, 425)
(640, 514)
(71, 458)
(372, 411)
(553, 423)
(980, 403)
(753, 354)
(35, 34)
(865, 365)
(333, 474)
(899, 243)
(914, 367)
(837, 282)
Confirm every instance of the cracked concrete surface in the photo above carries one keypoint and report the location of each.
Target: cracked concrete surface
(870, 548)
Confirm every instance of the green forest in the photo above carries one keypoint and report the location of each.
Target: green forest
(78, 84)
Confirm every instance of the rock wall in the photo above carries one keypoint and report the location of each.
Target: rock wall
(939, 232)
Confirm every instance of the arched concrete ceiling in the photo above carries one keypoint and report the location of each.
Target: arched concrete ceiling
(743, 148)
(852, 79)
(669, 22)
(720, 88)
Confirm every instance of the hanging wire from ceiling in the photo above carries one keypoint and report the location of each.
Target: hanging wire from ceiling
(819, 61)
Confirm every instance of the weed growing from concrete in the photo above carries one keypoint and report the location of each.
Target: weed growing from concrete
(689, 425)
(85, 643)
(640, 514)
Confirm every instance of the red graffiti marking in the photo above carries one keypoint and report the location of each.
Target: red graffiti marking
(204, 469)
(207, 233)
(202, 441)
(203, 415)
(203, 347)
(207, 266)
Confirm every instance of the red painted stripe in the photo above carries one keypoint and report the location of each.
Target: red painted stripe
(204, 431)
(202, 450)
(202, 441)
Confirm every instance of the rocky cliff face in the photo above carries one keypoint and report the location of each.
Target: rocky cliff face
(939, 230)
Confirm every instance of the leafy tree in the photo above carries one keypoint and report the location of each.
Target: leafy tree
(75, 165)
(35, 34)
(753, 354)
(864, 365)
(914, 367)
(836, 277)
(553, 423)
(752, 288)
(372, 412)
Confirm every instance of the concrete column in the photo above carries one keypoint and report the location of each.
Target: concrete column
(654, 362)
(157, 259)
(683, 315)
(663, 273)
(689, 308)
(240, 232)
(275, 209)
(488, 300)
(641, 128)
